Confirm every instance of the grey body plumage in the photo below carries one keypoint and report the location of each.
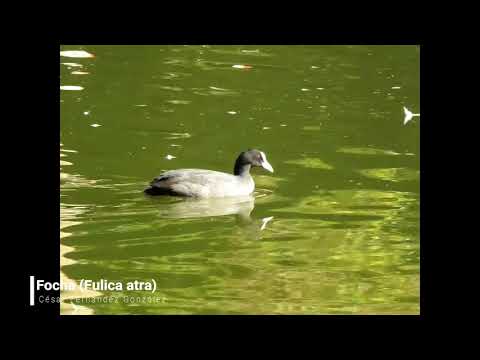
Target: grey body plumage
(209, 183)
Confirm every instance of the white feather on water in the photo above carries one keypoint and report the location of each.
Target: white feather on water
(408, 115)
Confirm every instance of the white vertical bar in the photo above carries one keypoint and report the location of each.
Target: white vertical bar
(32, 290)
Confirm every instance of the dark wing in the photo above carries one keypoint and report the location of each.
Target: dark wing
(189, 182)
(162, 179)
(161, 185)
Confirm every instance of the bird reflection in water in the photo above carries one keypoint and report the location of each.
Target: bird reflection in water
(240, 206)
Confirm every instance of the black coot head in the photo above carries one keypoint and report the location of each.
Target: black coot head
(253, 157)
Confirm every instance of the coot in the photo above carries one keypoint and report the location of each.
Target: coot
(208, 183)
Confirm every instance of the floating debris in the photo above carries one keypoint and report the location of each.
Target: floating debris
(314, 67)
(320, 88)
(95, 125)
(171, 88)
(178, 136)
(170, 157)
(265, 222)
(72, 64)
(242, 66)
(305, 89)
(71, 87)
(86, 113)
(408, 115)
(80, 73)
(396, 87)
(76, 54)
(266, 128)
(178, 102)
(231, 112)
(283, 125)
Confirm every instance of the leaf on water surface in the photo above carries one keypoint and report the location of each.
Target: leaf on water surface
(76, 54)
(313, 163)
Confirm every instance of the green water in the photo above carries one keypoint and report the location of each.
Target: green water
(335, 230)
